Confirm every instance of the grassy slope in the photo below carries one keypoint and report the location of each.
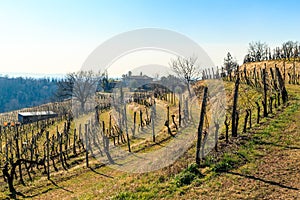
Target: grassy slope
(263, 167)
(272, 163)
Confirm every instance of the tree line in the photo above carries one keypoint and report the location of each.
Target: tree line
(260, 51)
(16, 93)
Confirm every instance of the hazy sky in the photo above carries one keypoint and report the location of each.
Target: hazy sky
(57, 36)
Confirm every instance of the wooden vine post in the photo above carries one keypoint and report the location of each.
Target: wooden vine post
(226, 123)
(200, 126)
(168, 115)
(75, 138)
(216, 134)
(284, 94)
(173, 120)
(250, 118)
(284, 73)
(141, 119)
(86, 145)
(152, 123)
(134, 124)
(179, 114)
(258, 112)
(246, 120)
(234, 108)
(18, 155)
(265, 104)
(48, 155)
(126, 128)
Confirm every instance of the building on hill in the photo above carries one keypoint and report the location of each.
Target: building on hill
(135, 81)
(29, 117)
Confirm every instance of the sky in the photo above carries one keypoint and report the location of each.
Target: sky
(57, 36)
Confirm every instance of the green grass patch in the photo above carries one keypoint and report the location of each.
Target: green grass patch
(124, 196)
(209, 161)
(228, 162)
(188, 175)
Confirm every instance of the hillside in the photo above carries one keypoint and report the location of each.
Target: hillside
(260, 163)
(289, 66)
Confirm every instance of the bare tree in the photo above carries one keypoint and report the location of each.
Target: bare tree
(288, 49)
(258, 51)
(80, 86)
(186, 70)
